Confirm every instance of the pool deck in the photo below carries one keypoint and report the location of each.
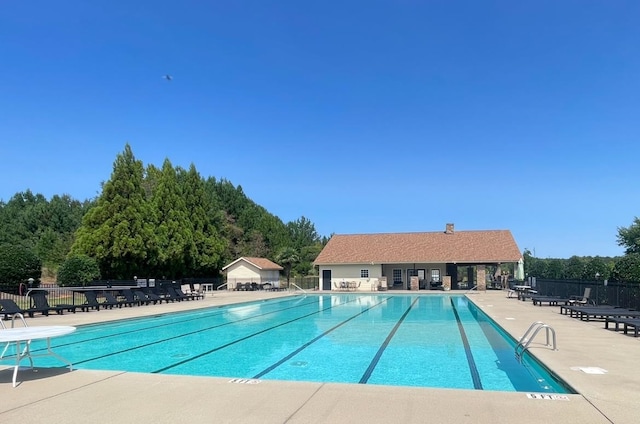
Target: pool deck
(57, 395)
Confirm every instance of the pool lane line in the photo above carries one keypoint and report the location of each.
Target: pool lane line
(383, 347)
(121, 333)
(257, 333)
(315, 339)
(475, 375)
(155, 342)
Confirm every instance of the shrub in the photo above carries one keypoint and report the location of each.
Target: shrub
(78, 271)
(18, 264)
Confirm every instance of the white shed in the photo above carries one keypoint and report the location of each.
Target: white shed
(252, 273)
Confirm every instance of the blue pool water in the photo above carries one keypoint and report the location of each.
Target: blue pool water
(403, 340)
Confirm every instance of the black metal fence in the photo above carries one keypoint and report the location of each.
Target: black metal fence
(623, 294)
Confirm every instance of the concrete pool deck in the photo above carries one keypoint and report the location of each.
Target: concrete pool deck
(57, 395)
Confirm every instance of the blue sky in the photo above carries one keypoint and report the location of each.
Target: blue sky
(363, 116)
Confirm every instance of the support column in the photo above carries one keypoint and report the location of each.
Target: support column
(481, 275)
(446, 282)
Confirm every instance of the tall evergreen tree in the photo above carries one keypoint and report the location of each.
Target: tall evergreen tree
(118, 230)
(204, 255)
(172, 230)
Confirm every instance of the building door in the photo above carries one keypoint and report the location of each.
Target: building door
(421, 277)
(326, 279)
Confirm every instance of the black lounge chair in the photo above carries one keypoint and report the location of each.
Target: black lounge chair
(143, 298)
(10, 308)
(626, 322)
(551, 300)
(190, 296)
(111, 301)
(173, 294)
(91, 301)
(155, 298)
(130, 298)
(40, 301)
(599, 312)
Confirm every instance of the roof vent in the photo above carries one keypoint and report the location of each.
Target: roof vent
(449, 229)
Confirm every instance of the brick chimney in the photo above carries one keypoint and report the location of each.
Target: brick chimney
(449, 229)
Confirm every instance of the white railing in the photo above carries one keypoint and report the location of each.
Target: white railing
(222, 285)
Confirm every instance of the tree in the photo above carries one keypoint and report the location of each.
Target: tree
(302, 233)
(118, 230)
(18, 264)
(574, 268)
(78, 270)
(629, 237)
(172, 229)
(203, 256)
(287, 257)
(627, 268)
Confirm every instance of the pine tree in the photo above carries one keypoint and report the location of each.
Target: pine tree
(118, 230)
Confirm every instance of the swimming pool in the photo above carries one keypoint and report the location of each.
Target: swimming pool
(404, 340)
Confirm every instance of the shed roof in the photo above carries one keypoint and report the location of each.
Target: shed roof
(260, 263)
(492, 246)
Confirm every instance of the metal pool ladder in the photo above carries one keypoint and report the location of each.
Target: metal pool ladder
(530, 334)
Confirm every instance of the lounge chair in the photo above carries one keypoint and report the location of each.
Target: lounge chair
(91, 301)
(10, 308)
(601, 312)
(130, 298)
(143, 298)
(551, 300)
(40, 301)
(626, 322)
(111, 301)
(155, 298)
(173, 294)
(196, 296)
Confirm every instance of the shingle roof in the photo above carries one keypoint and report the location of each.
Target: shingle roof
(260, 263)
(493, 246)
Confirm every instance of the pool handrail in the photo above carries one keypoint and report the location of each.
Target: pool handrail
(298, 287)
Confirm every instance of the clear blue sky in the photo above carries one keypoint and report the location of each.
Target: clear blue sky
(363, 116)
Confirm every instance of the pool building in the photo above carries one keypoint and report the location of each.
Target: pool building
(445, 260)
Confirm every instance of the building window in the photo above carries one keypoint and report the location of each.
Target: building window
(435, 275)
(397, 275)
(364, 273)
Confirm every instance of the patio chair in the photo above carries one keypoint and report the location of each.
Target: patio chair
(130, 298)
(9, 308)
(581, 300)
(91, 301)
(110, 300)
(382, 285)
(551, 300)
(173, 293)
(143, 298)
(155, 298)
(626, 322)
(188, 296)
(40, 301)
